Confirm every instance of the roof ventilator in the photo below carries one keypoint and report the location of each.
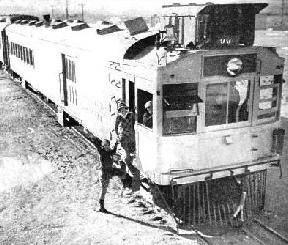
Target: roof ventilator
(105, 22)
(39, 23)
(79, 26)
(108, 30)
(32, 22)
(58, 25)
(23, 22)
(78, 21)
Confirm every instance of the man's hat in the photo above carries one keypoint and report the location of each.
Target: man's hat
(121, 105)
(148, 104)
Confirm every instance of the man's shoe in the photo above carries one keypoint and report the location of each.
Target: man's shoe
(103, 210)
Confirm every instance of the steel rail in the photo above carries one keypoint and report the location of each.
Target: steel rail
(198, 234)
(273, 234)
(35, 96)
(284, 239)
(250, 234)
(47, 106)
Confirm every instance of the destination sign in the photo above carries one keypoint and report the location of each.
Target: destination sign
(229, 65)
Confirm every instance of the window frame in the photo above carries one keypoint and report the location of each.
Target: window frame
(197, 107)
(257, 100)
(247, 123)
(140, 107)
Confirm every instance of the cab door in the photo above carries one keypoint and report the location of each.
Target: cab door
(128, 91)
(146, 144)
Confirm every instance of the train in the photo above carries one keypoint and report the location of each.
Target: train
(216, 96)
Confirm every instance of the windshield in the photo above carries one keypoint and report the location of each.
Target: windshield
(227, 103)
(180, 108)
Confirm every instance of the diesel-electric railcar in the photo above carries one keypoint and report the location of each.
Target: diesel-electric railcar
(216, 97)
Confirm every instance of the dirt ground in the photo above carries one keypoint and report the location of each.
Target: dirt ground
(49, 185)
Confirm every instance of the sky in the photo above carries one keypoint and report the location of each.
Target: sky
(116, 7)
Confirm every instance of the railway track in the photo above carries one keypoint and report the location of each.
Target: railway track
(264, 234)
(75, 131)
(255, 230)
(253, 233)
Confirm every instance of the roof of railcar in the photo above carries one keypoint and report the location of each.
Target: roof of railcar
(3, 24)
(112, 45)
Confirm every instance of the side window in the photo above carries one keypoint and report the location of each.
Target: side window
(227, 102)
(269, 97)
(31, 57)
(18, 50)
(70, 70)
(180, 108)
(21, 52)
(144, 108)
(28, 56)
(24, 55)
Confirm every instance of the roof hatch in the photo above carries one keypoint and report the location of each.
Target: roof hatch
(136, 26)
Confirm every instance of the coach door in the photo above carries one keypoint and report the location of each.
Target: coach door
(68, 83)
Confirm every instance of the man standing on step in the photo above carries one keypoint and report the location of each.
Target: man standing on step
(124, 128)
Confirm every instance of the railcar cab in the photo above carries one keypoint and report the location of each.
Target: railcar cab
(216, 95)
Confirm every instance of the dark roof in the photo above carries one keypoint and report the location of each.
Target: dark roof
(244, 7)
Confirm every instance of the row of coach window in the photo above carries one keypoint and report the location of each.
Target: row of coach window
(23, 53)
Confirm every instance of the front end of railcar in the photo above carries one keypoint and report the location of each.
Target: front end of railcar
(217, 112)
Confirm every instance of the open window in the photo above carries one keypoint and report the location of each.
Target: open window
(180, 108)
(144, 114)
(227, 103)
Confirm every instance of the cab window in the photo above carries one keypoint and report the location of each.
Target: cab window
(144, 114)
(227, 103)
(180, 108)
